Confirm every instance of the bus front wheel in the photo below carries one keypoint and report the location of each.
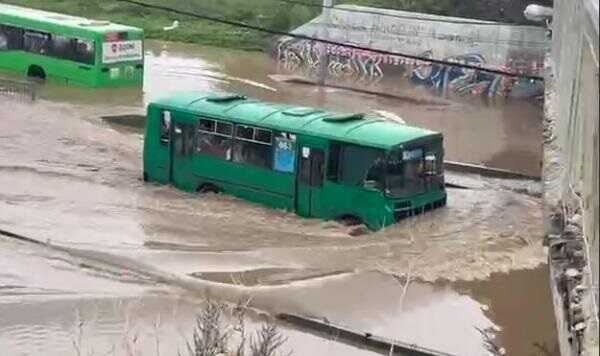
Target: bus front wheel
(349, 220)
(36, 72)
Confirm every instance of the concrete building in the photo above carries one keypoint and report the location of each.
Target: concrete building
(571, 173)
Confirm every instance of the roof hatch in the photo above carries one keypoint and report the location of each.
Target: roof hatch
(225, 98)
(299, 112)
(344, 117)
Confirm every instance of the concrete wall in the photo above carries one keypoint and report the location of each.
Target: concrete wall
(488, 44)
(519, 47)
(575, 95)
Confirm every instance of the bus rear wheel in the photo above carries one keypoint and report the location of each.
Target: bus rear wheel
(208, 188)
(36, 72)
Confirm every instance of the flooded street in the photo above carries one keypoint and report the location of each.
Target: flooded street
(72, 179)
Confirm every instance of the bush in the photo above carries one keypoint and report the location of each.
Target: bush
(213, 334)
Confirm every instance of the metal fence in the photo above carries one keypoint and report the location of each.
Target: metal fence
(17, 90)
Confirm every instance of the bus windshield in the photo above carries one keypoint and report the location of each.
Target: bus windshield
(414, 170)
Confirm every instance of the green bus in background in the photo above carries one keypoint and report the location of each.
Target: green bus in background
(313, 162)
(75, 50)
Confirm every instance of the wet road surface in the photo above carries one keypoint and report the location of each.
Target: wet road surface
(72, 179)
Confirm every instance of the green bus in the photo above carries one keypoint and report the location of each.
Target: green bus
(351, 167)
(72, 49)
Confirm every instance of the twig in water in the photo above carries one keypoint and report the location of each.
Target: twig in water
(78, 340)
(268, 341)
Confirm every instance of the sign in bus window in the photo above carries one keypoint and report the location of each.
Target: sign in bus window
(285, 155)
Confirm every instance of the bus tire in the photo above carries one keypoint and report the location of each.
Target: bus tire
(36, 72)
(349, 220)
(208, 188)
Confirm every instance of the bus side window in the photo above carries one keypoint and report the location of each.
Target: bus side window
(74, 49)
(214, 138)
(253, 146)
(317, 171)
(37, 42)
(165, 127)
(333, 166)
(11, 38)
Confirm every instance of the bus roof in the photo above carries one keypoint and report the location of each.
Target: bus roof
(366, 130)
(73, 22)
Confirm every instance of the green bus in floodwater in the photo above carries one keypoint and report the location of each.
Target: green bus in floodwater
(72, 49)
(317, 163)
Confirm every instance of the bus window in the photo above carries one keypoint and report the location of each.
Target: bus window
(11, 38)
(165, 127)
(83, 51)
(189, 138)
(3, 40)
(244, 132)
(73, 49)
(214, 138)
(406, 172)
(317, 170)
(213, 145)
(224, 128)
(206, 125)
(333, 166)
(184, 139)
(264, 136)
(179, 146)
(36, 42)
(356, 164)
(255, 154)
(312, 167)
(251, 148)
(375, 178)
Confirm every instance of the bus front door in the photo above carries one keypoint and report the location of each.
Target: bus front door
(311, 176)
(182, 152)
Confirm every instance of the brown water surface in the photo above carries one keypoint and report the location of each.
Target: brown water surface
(73, 179)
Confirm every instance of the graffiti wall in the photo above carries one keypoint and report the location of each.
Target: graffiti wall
(519, 49)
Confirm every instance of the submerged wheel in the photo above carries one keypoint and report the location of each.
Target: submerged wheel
(208, 188)
(36, 72)
(349, 220)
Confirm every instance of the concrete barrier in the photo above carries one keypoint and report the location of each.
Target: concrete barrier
(358, 339)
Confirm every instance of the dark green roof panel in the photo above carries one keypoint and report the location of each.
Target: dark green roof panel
(365, 130)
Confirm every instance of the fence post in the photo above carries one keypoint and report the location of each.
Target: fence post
(324, 35)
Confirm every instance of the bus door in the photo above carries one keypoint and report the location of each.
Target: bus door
(311, 177)
(182, 152)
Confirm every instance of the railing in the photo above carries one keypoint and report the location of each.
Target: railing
(18, 90)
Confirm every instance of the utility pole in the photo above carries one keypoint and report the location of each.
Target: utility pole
(324, 35)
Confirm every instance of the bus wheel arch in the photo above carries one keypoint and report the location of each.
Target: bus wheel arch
(36, 71)
(350, 220)
(208, 188)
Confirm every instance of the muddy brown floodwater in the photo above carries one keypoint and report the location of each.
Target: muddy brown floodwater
(121, 253)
